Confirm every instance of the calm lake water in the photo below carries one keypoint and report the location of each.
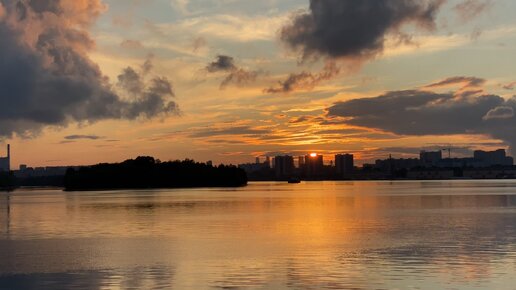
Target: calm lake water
(313, 235)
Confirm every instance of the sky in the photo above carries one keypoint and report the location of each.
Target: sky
(88, 81)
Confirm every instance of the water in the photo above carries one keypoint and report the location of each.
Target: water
(315, 235)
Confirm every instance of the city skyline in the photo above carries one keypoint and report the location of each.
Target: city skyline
(233, 80)
(430, 165)
(429, 158)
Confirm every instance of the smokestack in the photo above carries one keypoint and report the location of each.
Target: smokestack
(9, 157)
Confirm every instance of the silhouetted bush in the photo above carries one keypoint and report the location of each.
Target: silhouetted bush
(146, 172)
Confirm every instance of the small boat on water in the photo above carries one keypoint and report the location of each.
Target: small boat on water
(294, 180)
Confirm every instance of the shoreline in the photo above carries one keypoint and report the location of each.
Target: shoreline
(386, 179)
(12, 189)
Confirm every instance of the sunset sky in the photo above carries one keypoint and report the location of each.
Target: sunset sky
(86, 81)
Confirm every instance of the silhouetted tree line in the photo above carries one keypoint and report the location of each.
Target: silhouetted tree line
(41, 181)
(7, 180)
(147, 172)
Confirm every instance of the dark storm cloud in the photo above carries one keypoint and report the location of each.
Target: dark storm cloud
(354, 28)
(235, 75)
(421, 113)
(47, 78)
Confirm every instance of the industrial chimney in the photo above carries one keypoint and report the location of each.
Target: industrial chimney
(8, 157)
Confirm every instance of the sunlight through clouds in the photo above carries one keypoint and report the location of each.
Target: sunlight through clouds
(280, 95)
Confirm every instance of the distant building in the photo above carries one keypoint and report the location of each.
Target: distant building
(491, 158)
(460, 163)
(392, 164)
(431, 173)
(430, 158)
(28, 172)
(268, 161)
(344, 164)
(283, 166)
(5, 162)
(490, 173)
(253, 167)
(300, 162)
(314, 165)
(434, 159)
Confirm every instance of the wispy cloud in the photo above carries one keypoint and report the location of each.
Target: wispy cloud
(305, 80)
(83, 137)
(229, 27)
(470, 9)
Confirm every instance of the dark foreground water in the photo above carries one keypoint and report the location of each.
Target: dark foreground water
(340, 235)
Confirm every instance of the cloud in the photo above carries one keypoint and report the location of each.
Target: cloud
(235, 75)
(420, 113)
(130, 81)
(499, 113)
(150, 95)
(199, 43)
(132, 44)
(47, 78)
(304, 80)
(221, 63)
(466, 82)
(470, 9)
(239, 77)
(227, 131)
(350, 31)
(417, 112)
(180, 5)
(82, 137)
(354, 29)
(509, 86)
(223, 27)
(301, 119)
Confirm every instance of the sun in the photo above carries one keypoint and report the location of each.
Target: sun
(313, 154)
